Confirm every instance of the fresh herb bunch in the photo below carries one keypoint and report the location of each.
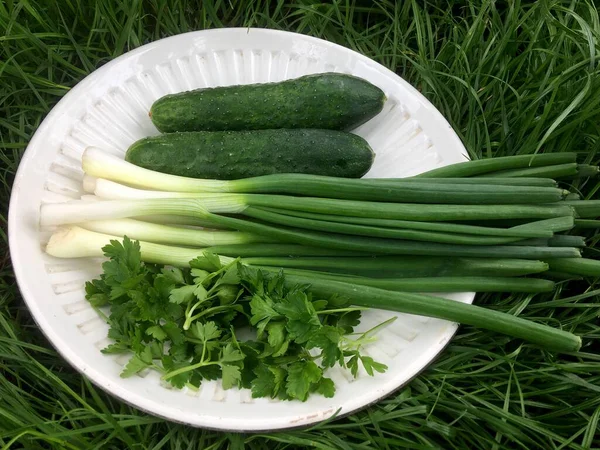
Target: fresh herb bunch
(187, 324)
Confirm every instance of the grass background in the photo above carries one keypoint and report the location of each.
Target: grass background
(512, 77)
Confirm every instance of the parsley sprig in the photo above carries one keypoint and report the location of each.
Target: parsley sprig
(188, 325)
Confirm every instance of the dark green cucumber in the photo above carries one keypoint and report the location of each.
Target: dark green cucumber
(229, 155)
(332, 101)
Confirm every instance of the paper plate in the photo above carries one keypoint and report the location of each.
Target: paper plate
(109, 109)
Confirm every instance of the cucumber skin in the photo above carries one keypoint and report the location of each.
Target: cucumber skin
(327, 101)
(229, 155)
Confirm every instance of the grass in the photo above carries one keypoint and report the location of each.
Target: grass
(511, 77)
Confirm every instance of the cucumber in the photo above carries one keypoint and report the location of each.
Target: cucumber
(332, 101)
(229, 155)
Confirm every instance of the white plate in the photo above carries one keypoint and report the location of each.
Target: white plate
(109, 109)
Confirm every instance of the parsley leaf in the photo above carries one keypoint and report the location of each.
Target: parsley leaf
(327, 338)
(205, 331)
(230, 276)
(231, 376)
(352, 364)
(137, 363)
(173, 274)
(263, 385)
(300, 377)
(277, 334)
(325, 387)
(208, 261)
(156, 332)
(183, 294)
(263, 311)
(348, 321)
(372, 366)
(231, 354)
(301, 315)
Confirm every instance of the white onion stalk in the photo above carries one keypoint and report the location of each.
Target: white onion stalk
(111, 190)
(101, 164)
(76, 242)
(170, 235)
(82, 211)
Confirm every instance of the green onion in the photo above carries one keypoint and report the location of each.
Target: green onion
(173, 219)
(587, 170)
(419, 304)
(405, 211)
(565, 240)
(280, 250)
(362, 230)
(561, 276)
(482, 166)
(201, 206)
(398, 190)
(540, 228)
(97, 163)
(559, 240)
(164, 234)
(554, 171)
(405, 266)
(578, 266)
(61, 213)
(587, 223)
(75, 241)
(110, 190)
(439, 284)
(520, 181)
(398, 247)
(585, 209)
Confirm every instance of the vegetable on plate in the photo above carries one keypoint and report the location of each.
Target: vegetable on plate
(227, 155)
(333, 101)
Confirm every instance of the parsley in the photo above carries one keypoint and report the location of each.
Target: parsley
(182, 323)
